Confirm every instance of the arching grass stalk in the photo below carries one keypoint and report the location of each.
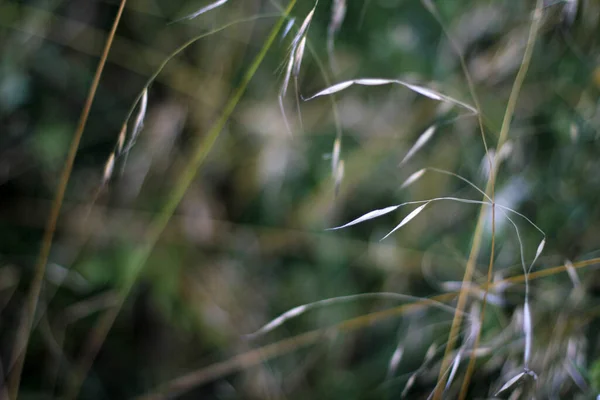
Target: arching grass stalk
(26, 323)
(200, 152)
(120, 148)
(477, 239)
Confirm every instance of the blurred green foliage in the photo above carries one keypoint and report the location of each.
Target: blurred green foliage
(248, 242)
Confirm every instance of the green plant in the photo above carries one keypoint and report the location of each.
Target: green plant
(263, 252)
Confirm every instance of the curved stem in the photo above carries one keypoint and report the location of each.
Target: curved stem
(24, 330)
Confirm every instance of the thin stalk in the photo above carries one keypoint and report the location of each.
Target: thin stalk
(25, 326)
(201, 150)
(478, 235)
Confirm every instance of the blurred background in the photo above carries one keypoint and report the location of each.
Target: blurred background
(248, 241)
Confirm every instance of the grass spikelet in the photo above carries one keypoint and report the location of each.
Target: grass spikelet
(139, 120)
(539, 250)
(201, 11)
(528, 330)
(137, 126)
(407, 219)
(527, 320)
(409, 384)
(425, 92)
(288, 28)
(413, 178)
(338, 87)
(121, 139)
(338, 13)
(379, 212)
(108, 168)
(386, 210)
(335, 155)
(395, 360)
(304, 27)
(421, 141)
(454, 368)
(367, 216)
(298, 56)
(283, 90)
(339, 176)
(512, 382)
(432, 94)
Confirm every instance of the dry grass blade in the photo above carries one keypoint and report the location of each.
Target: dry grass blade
(421, 141)
(407, 219)
(201, 11)
(26, 323)
(432, 94)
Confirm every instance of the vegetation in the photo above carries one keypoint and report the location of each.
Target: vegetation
(329, 199)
